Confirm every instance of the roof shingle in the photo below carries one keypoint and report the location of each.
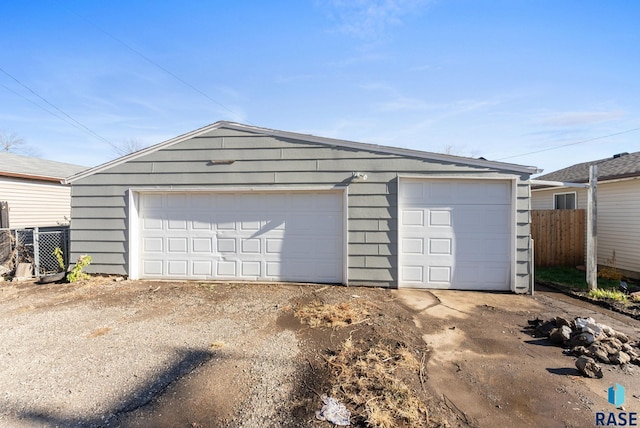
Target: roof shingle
(13, 164)
(619, 166)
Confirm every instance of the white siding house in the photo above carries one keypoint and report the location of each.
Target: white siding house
(618, 205)
(33, 191)
(238, 202)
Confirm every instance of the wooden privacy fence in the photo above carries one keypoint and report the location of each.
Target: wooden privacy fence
(559, 237)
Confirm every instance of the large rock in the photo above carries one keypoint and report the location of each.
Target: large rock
(544, 329)
(620, 358)
(582, 339)
(560, 335)
(588, 367)
(562, 321)
(612, 342)
(599, 352)
(633, 352)
(608, 331)
(621, 337)
(578, 351)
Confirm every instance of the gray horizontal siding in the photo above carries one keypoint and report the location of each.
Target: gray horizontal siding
(99, 205)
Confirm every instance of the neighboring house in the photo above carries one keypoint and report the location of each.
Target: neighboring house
(238, 202)
(618, 205)
(33, 191)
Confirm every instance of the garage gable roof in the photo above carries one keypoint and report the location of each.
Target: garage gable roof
(307, 138)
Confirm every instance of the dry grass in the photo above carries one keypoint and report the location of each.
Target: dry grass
(369, 381)
(339, 315)
(368, 378)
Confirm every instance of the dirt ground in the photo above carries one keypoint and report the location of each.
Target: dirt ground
(188, 354)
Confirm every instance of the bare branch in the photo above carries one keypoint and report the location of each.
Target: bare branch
(127, 146)
(13, 143)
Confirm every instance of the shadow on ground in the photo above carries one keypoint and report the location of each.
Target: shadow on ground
(186, 361)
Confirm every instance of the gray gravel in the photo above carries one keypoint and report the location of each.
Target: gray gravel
(87, 355)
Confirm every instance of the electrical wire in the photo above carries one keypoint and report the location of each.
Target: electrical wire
(68, 119)
(571, 144)
(170, 73)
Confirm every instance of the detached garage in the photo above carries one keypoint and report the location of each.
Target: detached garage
(238, 202)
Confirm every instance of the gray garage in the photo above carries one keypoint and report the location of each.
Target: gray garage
(238, 202)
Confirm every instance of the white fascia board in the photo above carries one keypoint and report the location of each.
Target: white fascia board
(140, 153)
(312, 139)
(558, 185)
(555, 184)
(385, 149)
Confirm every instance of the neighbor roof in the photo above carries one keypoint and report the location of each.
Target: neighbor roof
(308, 138)
(622, 165)
(13, 165)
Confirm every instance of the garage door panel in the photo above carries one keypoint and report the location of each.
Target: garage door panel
(202, 268)
(152, 224)
(412, 246)
(440, 274)
(441, 191)
(440, 218)
(413, 217)
(152, 267)
(177, 267)
(153, 245)
(413, 274)
(268, 236)
(412, 191)
(202, 245)
(173, 224)
(153, 201)
(226, 269)
(440, 246)
(465, 240)
(202, 224)
(177, 245)
(251, 246)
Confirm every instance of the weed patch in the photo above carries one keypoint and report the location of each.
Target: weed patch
(608, 293)
(370, 381)
(339, 315)
(375, 380)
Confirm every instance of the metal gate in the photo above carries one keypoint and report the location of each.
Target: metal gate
(37, 246)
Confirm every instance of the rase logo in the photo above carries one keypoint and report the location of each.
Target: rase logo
(616, 395)
(620, 419)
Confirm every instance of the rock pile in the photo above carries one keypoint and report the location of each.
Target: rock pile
(592, 342)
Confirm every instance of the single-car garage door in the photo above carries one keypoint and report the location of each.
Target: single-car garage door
(455, 233)
(271, 236)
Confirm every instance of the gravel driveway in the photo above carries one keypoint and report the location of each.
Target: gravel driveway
(94, 354)
(167, 354)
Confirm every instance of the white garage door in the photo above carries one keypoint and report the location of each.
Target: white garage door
(455, 234)
(268, 236)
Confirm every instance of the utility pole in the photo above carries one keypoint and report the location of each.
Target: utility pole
(592, 229)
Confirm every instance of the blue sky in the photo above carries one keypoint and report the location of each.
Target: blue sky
(501, 79)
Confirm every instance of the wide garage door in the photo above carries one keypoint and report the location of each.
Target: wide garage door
(271, 236)
(455, 233)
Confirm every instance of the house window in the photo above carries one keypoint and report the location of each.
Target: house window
(564, 201)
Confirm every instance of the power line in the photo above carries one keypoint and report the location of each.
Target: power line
(571, 144)
(146, 58)
(73, 122)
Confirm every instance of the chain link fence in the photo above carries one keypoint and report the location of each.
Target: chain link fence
(37, 247)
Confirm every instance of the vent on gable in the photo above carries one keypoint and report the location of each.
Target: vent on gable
(619, 155)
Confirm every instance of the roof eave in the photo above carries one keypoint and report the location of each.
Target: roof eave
(311, 138)
(31, 177)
